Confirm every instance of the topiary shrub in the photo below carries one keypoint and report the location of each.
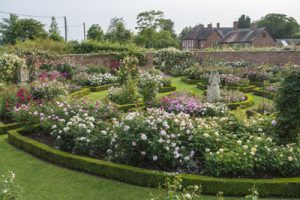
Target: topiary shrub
(287, 103)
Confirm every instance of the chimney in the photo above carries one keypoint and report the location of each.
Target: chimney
(209, 25)
(253, 26)
(218, 25)
(235, 25)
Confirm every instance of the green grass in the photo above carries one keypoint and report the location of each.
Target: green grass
(41, 180)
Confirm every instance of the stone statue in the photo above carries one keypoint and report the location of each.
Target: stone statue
(24, 75)
(213, 89)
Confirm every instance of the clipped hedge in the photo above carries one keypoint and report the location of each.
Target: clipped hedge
(81, 93)
(230, 186)
(263, 93)
(101, 88)
(243, 104)
(4, 128)
(127, 107)
(247, 89)
(167, 89)
(190, 81)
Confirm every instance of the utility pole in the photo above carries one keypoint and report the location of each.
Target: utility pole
(84, 35)
(66, 29)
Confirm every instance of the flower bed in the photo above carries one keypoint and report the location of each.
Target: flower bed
(284, 187)
(263, 93)
(243, 104)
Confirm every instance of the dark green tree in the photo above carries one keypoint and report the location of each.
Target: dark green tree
(10, 29)
(54, 31)
(31, 29)
(244, 21)
(280, 25)
(184, 31)
(13, 29)
(117, 31)
(95, 32)
(287, 103)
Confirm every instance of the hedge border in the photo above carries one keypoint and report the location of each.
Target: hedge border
(285, 187)
(4, 128)
(81, 93)
(262, 93)
(167, 89)
(246, 89)
(102, 87)
(243, 104)
(189, 81)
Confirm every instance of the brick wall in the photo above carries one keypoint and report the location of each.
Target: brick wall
(261, 41)
(89, 59)
(259, 57)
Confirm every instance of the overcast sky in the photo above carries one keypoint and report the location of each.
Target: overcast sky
(182, 12)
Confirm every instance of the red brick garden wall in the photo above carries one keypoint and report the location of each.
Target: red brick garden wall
(259, 57)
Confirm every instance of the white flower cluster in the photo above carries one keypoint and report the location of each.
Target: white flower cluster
(102, 79)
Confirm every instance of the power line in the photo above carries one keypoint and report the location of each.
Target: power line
(24, 15)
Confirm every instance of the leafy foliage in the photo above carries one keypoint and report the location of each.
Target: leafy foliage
(95, 33)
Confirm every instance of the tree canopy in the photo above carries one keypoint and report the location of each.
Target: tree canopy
(13, 29)
(54, 31)
(244, 21)
(117, 31)
(280, 25)
(95, 32)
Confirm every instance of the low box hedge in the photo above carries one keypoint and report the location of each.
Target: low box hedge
(127, 107)
(230, 186)
(190, 81)
(167, 89)
(243, 104)
(263, 93)
(6, 127)
(81, 93)
(247, 89)
(102, 87)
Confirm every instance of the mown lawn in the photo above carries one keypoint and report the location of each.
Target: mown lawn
(41, 180)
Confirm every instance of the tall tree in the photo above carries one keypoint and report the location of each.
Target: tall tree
(10, 29)
(13, 29)
(149, 19)
(54, 33)
(117, 31)
(280, 25)
(95, 32)
(244, 21)
(167, 25)
(184, 31)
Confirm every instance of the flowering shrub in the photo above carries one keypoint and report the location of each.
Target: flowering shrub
(173, 190)
(48, 90)
(125, 94)
(8, 188)
(148, 85)
(232, 96)
(232, 80)
(86, 79)
(49, 75)
(156, 138)
(67, 70)
(273, 87)
(175, 61)
(183, 102)
(78, 128)
(256, 74)
(10, 65)
(128, 69)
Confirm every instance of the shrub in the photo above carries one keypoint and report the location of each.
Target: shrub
(288, 106)
(10, 66)
(149, 85)
(175, 61)
(128, 69)
(126, 94)
(48, 90)
(8, 188)
(85, 79)
(187, 103)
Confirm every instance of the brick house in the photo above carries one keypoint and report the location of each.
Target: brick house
(253, 36)
(201, 37)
